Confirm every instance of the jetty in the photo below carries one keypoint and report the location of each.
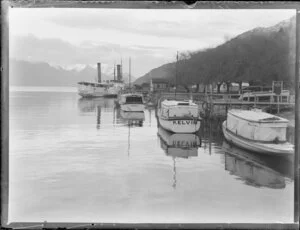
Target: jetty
(213, 105)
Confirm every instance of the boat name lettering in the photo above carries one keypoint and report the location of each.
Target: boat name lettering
(184, 122)
(186, 144)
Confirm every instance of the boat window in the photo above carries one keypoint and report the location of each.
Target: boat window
(251, 98)
(134, 100)
(182, 103)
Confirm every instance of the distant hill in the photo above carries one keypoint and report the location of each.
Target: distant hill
(24, 73)
(261, 54)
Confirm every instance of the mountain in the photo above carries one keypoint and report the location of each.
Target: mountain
(261, 54)
(24, 73)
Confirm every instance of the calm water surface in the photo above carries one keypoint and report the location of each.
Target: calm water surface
(83, 160)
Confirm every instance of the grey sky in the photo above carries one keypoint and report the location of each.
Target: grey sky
(160, 32)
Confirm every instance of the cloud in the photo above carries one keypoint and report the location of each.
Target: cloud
(60, 52)
(71, 36)
(169, 23)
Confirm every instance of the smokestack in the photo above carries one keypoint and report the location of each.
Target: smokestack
(119, 74)
(99, 72)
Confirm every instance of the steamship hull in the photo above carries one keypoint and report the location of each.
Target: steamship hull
(88, 89)
(101, 89)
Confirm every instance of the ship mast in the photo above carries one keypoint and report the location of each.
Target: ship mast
(130, 73)
(176, 74)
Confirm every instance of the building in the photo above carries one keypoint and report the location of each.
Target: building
(145, 87)
(159, 85)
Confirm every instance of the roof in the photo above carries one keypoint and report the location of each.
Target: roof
(256, 115)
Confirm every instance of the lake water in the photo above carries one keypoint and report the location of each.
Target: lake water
(83, 160)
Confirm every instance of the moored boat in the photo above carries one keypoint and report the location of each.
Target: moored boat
(131, 102)
(179, 116)
(101, 88)
(257, 131)
(94, 89)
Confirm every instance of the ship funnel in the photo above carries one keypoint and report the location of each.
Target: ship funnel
(119, 72)
(99, 72)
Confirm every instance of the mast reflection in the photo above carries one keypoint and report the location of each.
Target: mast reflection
(255, 169)
(181, 145)
(98, 105)
(131, 119)
(87, 105)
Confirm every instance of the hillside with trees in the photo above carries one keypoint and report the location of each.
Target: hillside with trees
(259, 56)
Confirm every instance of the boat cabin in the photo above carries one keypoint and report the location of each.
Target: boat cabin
(131, 99)
(174, 108)
(256, 125)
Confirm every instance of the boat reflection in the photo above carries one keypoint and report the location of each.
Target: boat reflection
(87, 105)
(257, 170)
(131, 118)
(182, 145)
(178, 145)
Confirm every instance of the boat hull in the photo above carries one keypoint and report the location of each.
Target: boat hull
(91, 91)
(132, 107)
(180, 125)
(284, 149)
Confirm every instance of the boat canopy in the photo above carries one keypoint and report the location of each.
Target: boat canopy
(257, 125)
(256, 116)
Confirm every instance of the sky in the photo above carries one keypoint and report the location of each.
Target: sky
(151, 37)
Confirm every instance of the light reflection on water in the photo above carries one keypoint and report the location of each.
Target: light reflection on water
(84, 160)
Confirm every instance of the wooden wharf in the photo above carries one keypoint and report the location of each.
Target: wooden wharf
(213, 105)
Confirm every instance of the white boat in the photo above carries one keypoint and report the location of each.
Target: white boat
(131, 102)
(179, 116)
(103, 89)
(182, 145)
(257, 131)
